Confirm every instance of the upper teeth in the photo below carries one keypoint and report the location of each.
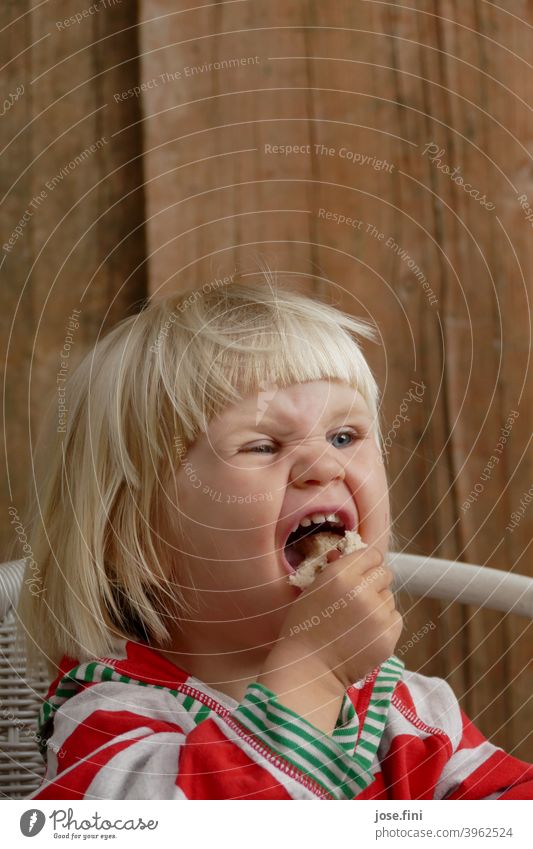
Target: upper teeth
(318, 518)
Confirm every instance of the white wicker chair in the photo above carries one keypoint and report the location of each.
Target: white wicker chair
(21, 766)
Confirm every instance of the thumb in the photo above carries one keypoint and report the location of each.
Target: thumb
(333, 555)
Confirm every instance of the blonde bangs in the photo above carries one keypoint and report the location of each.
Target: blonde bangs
(250, 337)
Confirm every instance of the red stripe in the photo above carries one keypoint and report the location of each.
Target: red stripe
(212, 767)
(472, 736)
(101, 727)
(74, 785)
(497, 772)
(402, 692)
(413, 765)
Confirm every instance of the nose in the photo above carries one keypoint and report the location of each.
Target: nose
(308, 471)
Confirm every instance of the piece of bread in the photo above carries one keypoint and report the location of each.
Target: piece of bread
(316, 548)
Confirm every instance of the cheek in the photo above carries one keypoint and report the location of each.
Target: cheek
(368, 482)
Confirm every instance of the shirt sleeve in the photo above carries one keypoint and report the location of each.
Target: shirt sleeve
(479, 770)
(119, 741)
(430, 749)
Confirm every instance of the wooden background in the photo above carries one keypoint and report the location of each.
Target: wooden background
(379, 80)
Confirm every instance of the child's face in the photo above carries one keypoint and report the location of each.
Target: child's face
(242, 487)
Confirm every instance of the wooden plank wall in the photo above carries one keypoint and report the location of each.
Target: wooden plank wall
(382, 98)
(71, 182)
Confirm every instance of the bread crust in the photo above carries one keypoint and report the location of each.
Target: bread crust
(316, 548)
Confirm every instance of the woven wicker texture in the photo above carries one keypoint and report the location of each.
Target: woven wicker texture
(21, 765)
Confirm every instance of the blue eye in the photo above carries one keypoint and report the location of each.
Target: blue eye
(345, 433)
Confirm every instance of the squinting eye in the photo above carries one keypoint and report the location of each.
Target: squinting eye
(257, 449)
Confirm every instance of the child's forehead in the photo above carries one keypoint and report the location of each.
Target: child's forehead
(317, 398)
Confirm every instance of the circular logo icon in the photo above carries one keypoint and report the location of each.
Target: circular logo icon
(32, 822)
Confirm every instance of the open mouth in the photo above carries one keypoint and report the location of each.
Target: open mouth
(294, 550)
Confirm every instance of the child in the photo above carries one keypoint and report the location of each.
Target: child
(187, 666)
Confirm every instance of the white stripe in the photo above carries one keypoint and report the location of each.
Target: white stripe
(462, 764)
(114, 696)
(370, 739)
(397, 724)
(50, 777)
(374, 723)
(495, 795)
(436, 705)
(145, 770)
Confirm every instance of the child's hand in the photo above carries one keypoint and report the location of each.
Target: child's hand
(343, 625)
(347, 617)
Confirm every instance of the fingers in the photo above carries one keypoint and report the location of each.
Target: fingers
(387, 598)
(333, 555)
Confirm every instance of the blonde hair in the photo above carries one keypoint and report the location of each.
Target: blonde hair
(156, 380)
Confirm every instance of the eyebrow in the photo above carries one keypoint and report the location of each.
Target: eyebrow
(288, 424)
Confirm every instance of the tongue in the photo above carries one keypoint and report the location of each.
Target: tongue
(294, 557)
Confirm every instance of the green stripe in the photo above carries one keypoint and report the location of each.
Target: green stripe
(306, 755)
(202, 714)
(188, 703)
(294, 747)
(367, 729)
(342, 732)
(364, 745)
(386, 680)
(65, 692)
(295, 727)
(296, 753)
(377, 717)
(89, 671)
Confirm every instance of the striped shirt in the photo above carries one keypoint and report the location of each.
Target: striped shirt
(135, 726)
